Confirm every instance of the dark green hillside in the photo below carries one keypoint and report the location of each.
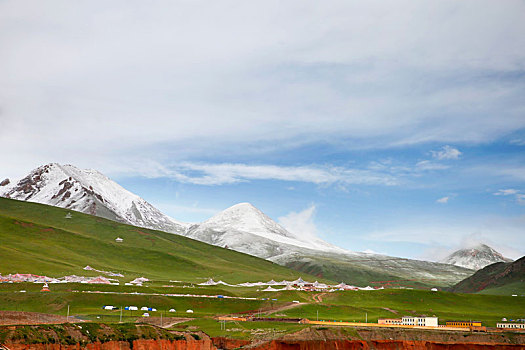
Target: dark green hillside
(39, 239)
(498, 277)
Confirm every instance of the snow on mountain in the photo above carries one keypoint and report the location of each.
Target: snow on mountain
(241, 227)
(90, 192)
(475, 257)
(245, 228)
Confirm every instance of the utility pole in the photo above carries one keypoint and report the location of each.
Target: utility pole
(161, 324)
(120, 321)
(67, 317)
(366, 317)
(317, 315)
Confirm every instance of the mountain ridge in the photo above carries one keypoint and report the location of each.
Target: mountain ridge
(241, 227)
(494, 275)
(91, 192)
(475, 257)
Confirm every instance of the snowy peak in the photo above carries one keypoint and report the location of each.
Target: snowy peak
(475, 258)
(88, 191)
(245, 228)
(247, 218)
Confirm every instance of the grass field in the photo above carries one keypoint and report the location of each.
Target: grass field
(39, 239)
(517, 288)
(340, 306)
(394, 303)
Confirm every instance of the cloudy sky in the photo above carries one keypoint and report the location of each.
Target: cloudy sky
(396, 127)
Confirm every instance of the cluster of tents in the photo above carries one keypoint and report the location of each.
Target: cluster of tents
(298, 284)
(27, 277)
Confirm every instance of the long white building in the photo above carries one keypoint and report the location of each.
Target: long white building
(423, 321)
(511, 325)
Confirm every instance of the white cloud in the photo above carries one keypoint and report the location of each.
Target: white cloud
(429, 165)
(443, 200)
(370, 251)
(228, 173)
(506, 192)
(100, 81)
(301, 223)
(518, 196)
(447, 152)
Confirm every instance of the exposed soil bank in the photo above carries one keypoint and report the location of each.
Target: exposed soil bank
(143, 344)
(377, 345)
(88, 336)
(21, 317)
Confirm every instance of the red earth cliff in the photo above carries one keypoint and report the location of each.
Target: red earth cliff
(378, 345)
(143, 344)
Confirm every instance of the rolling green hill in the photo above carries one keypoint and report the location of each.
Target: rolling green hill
(501, 278)
(39, 239)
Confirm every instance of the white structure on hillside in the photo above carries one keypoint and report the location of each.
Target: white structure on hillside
(119, 240)
(422, 321)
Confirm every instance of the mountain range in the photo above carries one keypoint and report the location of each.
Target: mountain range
(241, 227)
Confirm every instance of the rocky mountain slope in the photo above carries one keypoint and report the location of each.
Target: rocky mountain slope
(90, 192)
(475, 258)
(494, 275)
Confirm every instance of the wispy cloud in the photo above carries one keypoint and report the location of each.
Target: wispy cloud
(506, 192)
(447, 152)
(301, 223)
(443, 200)
(430, 165)
(517, 194)
(229, 173)
(518, 142)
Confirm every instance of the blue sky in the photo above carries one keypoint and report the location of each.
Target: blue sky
(397, 128)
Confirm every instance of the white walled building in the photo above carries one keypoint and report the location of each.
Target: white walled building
(511, 325)
(423, 321)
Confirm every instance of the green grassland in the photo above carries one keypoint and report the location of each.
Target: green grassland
(240, 330)
(340, 306)
(39, 239)
(394, 303)
(517, 288)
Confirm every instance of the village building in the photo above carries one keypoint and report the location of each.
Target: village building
(463, 324)
(422, 321)
(511, 325)
(396, 321)
(119, 240)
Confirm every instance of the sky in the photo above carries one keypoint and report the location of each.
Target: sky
(391, 127)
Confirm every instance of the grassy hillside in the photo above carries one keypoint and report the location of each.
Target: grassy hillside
(496, 277)
(513, 288)
(385, 271)
(39, 239)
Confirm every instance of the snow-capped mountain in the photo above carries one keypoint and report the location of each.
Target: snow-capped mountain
(241, 227)
(90, 192)
(475, 258)
(245, 228)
